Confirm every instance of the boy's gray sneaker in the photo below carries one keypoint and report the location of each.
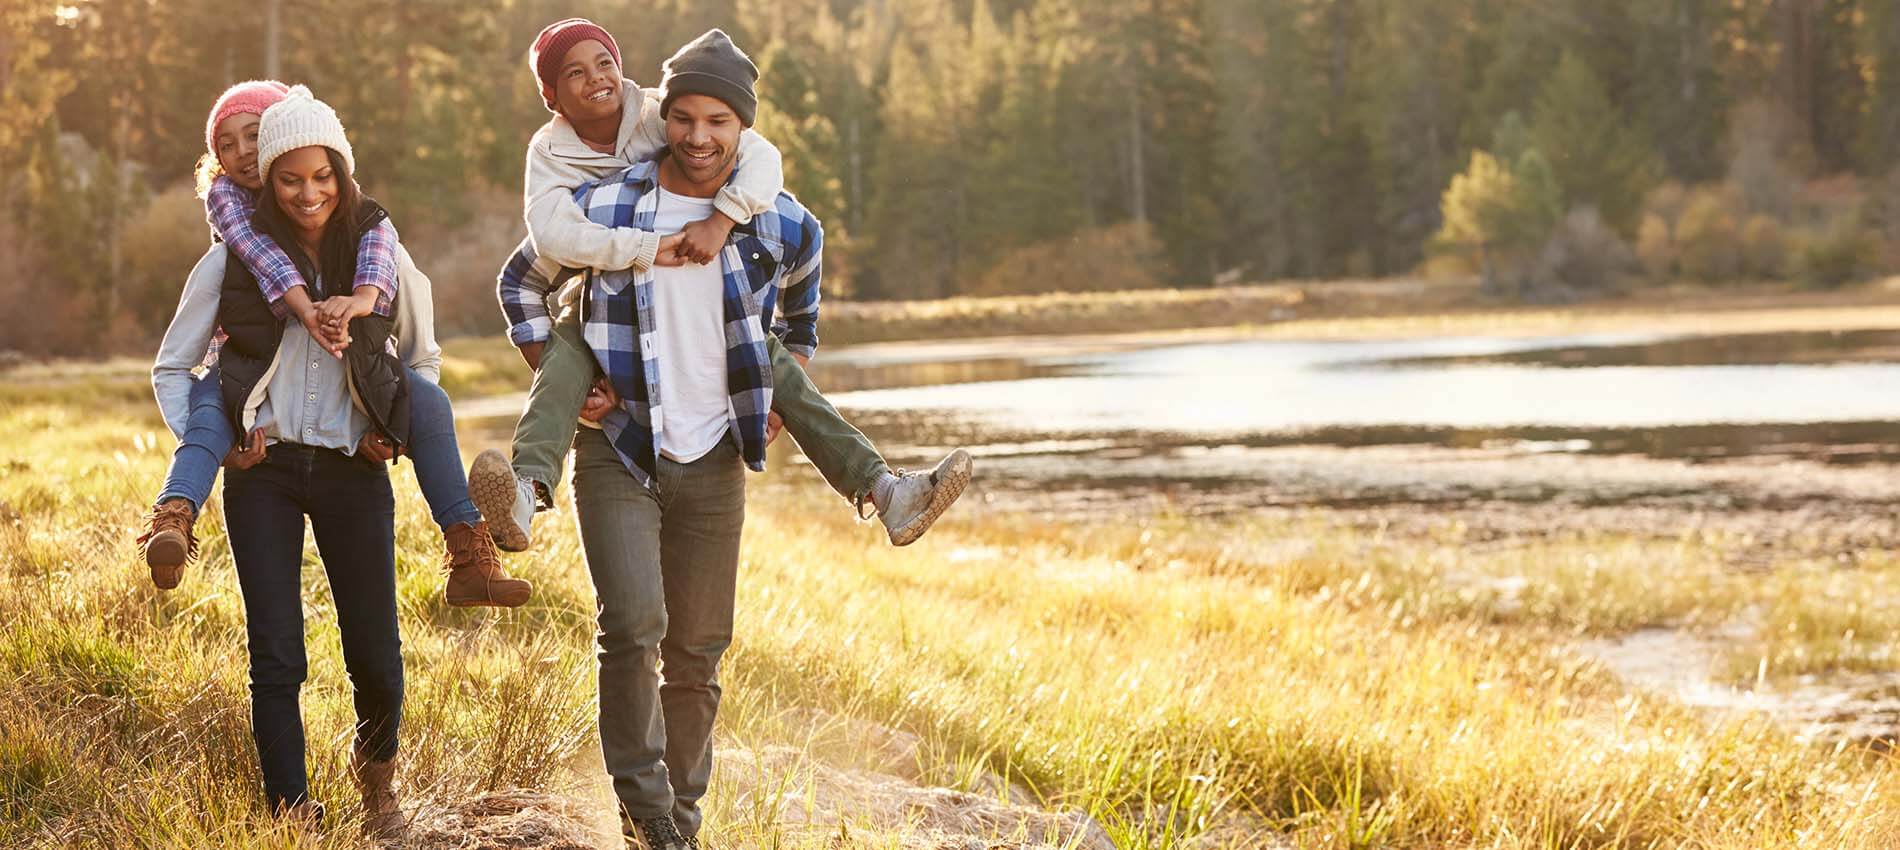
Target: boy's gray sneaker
(920, 497)
(505, 499)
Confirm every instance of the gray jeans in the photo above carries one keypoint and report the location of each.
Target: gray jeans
(664, 561)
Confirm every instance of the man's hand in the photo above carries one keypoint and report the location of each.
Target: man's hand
(669, 253)
(531, 352)
(773, 425)
(375, 449)
(702, 239)
(246, 453)
(600, 400)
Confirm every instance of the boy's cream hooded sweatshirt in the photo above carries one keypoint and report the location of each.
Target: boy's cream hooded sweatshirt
(559, 162)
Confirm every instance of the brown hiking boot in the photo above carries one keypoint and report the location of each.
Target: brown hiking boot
(305, 814)
(169, 542)
(475, 573)
(382, 815)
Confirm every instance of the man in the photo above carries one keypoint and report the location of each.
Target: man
(603, 123)
(660, 485)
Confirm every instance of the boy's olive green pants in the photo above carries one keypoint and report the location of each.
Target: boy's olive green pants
(545, 432)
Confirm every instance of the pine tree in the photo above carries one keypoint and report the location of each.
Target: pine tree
(1680, 97)
(1880, 136)
(1413, 108)
(1598, 161)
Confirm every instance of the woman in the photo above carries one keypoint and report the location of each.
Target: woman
(327, 428)
(229, 182)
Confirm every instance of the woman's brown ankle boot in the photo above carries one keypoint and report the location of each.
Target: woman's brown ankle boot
(382, 815)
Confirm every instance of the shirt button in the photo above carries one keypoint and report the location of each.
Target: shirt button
(313, 364)
(313, 396)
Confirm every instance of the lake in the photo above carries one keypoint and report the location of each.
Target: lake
(1233, 423)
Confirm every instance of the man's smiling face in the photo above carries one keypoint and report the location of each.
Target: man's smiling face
(703, 134)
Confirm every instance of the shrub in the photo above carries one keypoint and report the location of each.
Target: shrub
(1667, 202)
(1656, 247)
(1708, 238)
(62, 320)
(463, 261)
(1837, 253)
(1124, 256)
(1583, 257)
(160, 245)
(1764, 248)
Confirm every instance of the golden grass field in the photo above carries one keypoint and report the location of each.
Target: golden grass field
(1288, 681)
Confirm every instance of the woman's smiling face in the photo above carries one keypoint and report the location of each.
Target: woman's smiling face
(306, 185)
(237, 149)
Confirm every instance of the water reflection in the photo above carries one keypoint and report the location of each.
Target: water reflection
(1244, 424)
(1258, 387)
(1765, 349)
(1248, 424)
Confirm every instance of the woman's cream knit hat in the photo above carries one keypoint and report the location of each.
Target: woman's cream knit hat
(297, 121)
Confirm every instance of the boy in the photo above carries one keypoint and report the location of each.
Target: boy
(595, 133)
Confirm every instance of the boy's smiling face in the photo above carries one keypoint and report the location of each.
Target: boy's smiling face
(587, 86)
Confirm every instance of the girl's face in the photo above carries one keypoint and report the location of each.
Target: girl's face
(587, 87)
(237, 149)
(306, 187)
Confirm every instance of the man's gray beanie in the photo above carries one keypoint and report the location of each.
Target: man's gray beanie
(713, 66)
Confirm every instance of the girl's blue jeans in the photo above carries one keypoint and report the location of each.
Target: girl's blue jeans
(432, 447)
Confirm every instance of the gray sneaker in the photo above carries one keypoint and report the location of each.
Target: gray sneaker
(921, 497)
(505, 499)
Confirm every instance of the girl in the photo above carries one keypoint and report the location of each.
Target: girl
(229, 179)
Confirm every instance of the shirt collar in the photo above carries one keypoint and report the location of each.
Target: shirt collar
(564, 142)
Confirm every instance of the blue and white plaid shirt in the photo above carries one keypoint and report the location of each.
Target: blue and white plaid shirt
(771, 267)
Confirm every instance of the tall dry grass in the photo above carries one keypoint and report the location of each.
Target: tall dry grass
(1168, 678)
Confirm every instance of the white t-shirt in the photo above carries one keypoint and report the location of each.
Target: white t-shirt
(689, 315)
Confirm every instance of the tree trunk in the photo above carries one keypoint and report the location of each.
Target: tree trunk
(273, 39)
(857, 173)
(1137, 181)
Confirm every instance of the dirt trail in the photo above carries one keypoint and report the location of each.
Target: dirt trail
(772, 794)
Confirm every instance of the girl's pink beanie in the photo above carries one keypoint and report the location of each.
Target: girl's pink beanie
(252, 96)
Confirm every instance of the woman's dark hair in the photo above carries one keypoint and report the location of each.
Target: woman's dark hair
(338, 247)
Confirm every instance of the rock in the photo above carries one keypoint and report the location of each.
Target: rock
(801, 793)
(860, 743)
(992, 786)
(1241, 832)
(501, 820)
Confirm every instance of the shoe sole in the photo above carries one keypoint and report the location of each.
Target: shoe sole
(952, 475)
(491, 484)
(165, 556)
(506, 601)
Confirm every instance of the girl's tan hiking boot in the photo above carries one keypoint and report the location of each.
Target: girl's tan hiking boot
(476, 576)
(168, 542)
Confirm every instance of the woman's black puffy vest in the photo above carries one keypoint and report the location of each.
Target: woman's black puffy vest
(253, 334)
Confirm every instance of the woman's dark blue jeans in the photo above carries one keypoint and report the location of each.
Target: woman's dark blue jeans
(352, 515)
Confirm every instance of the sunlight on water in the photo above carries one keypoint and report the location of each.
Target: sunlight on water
(1280, 386)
